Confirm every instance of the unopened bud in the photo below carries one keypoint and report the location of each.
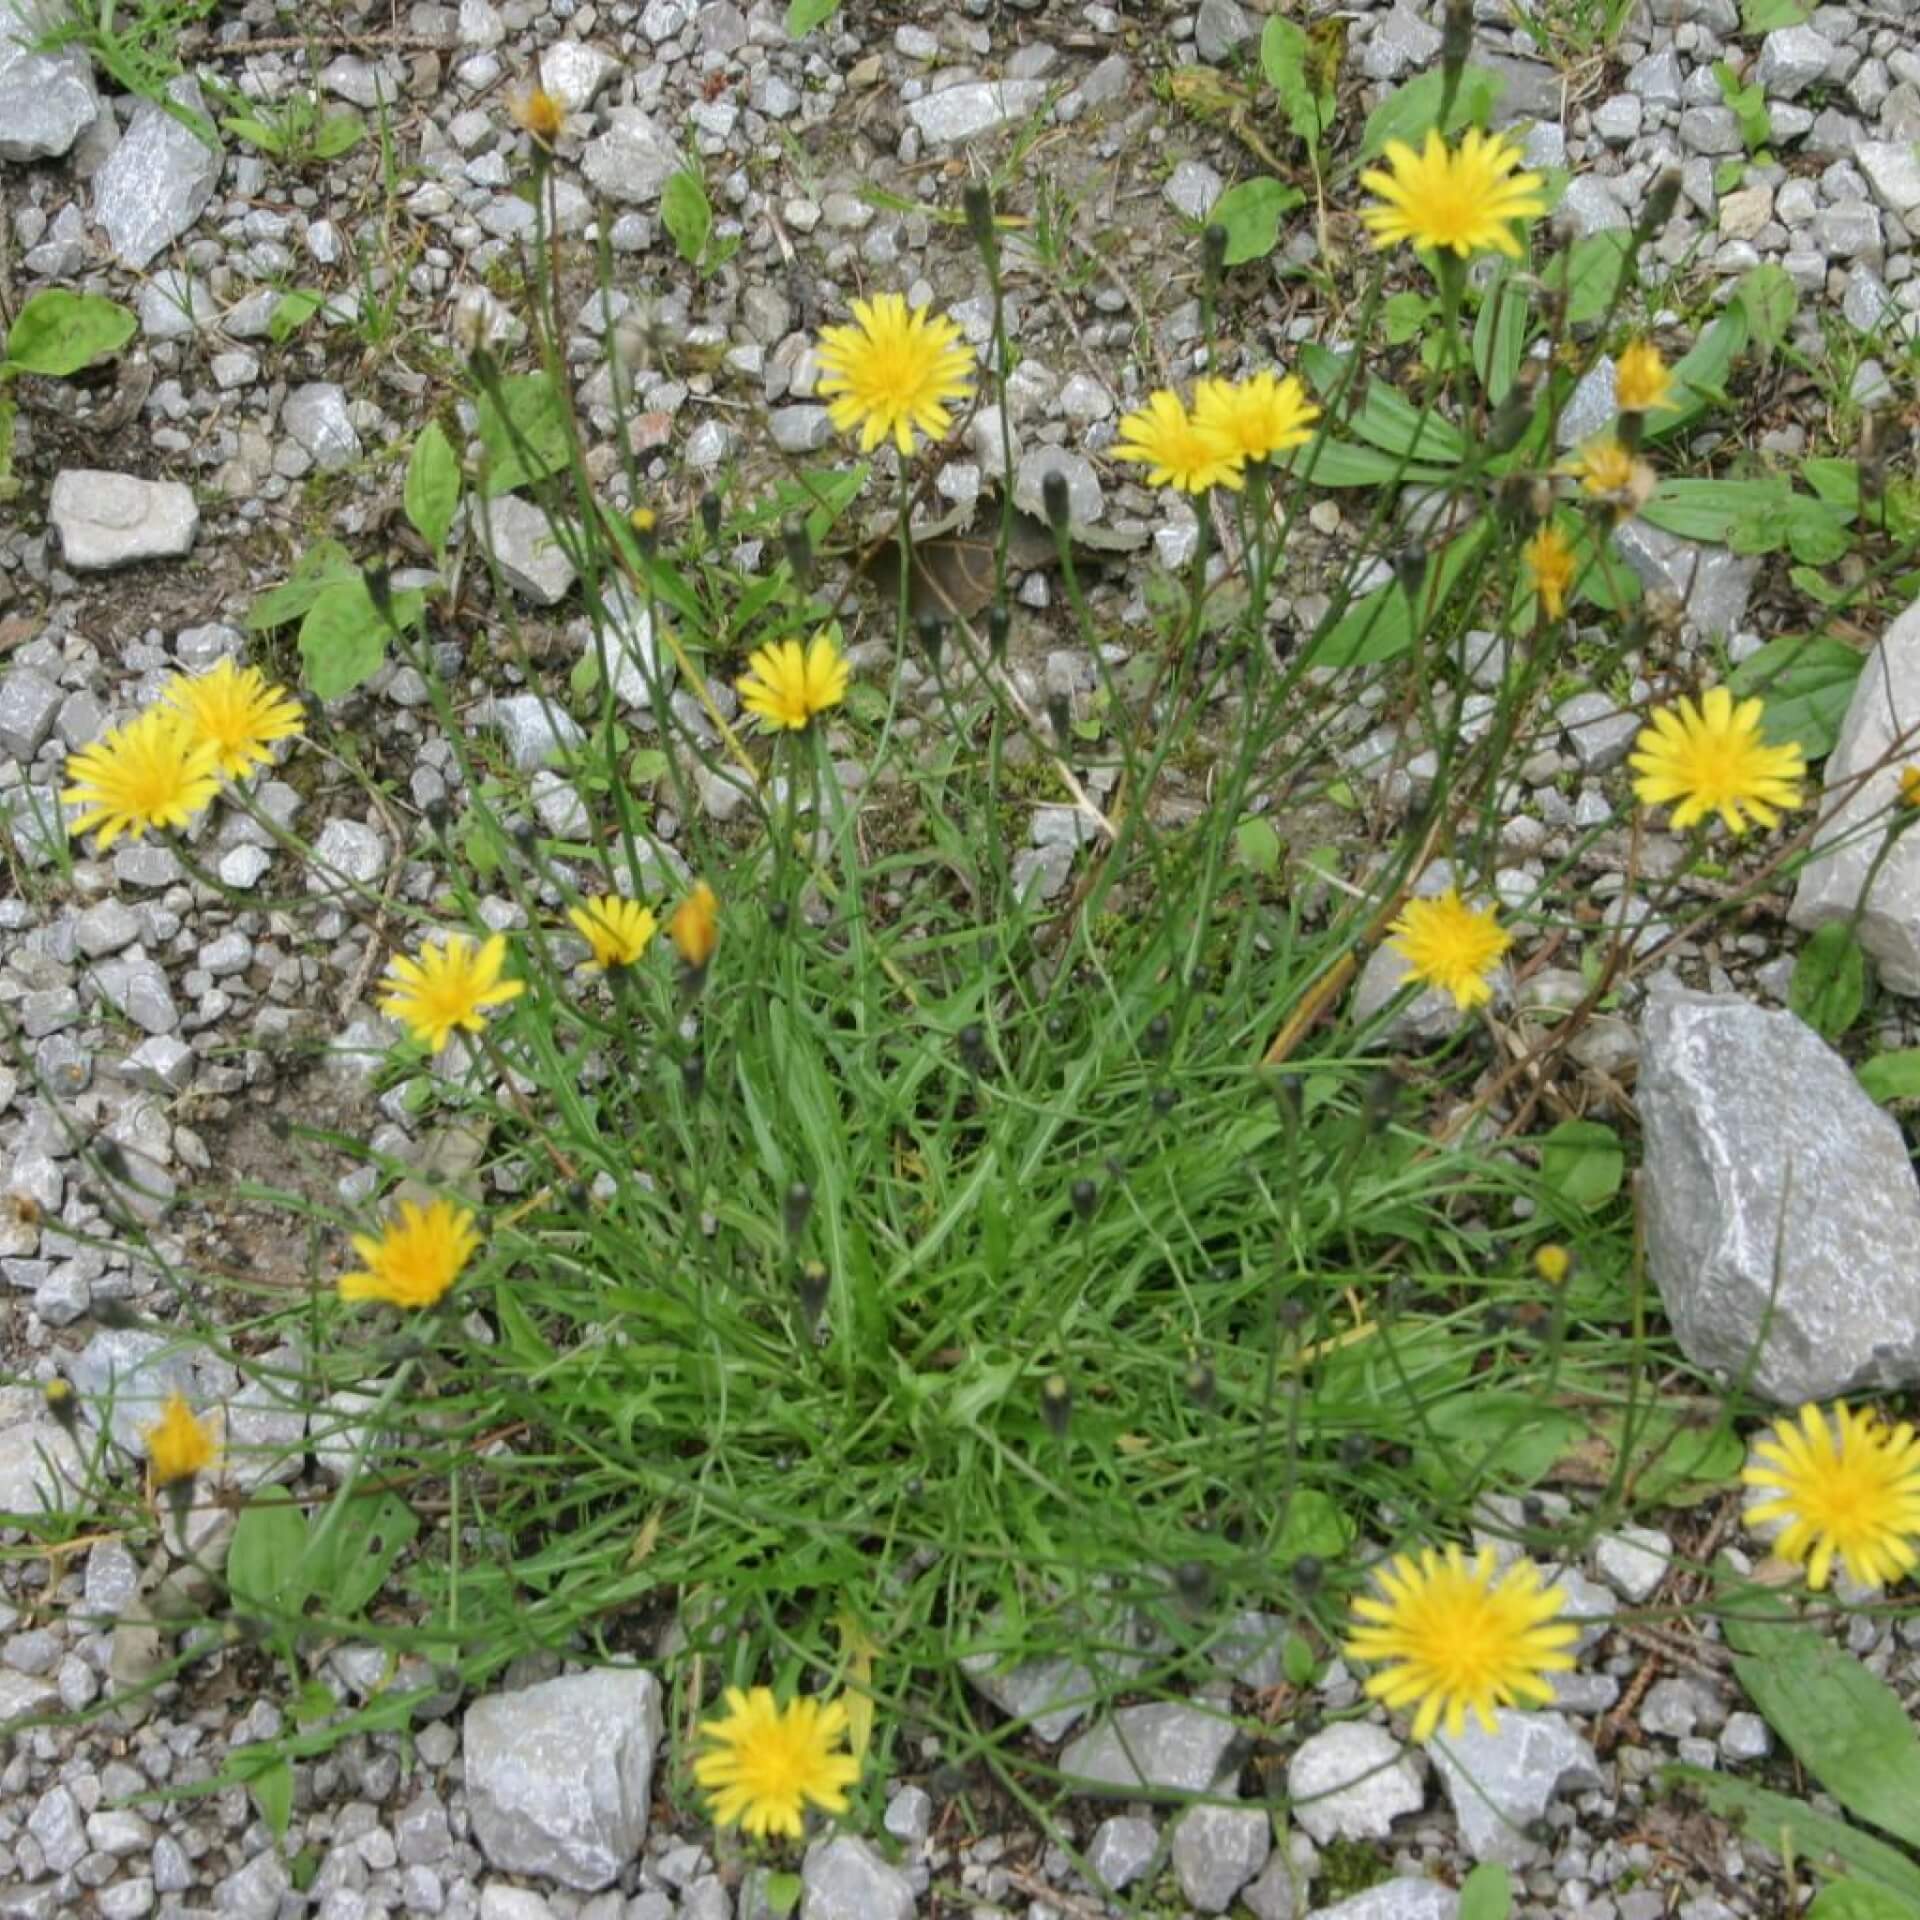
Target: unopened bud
(1308, 1573)
(1085, 1197)
(931, 631)
(693, 1075)
(1055, 499)
(1202, 1388)
(1456, 37)
(978, 201)
(1410, 569)
(710, 514)
(1213, 254)
(795, 1208)
(1056, 1404)
(798, 544)
(999, 629)
(1060, 717)
(1193, 1580)
(812, 1283)
(1662, 198)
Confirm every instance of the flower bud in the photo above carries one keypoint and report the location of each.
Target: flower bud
(978, 201)
(812, 1283)
(1410, 569)
(710, 514)
(999, 629)
(930, 629)
(693, 1075)
(1193, 1581)
(1055, 499)
(1308, 1573)
(1085, 1197)
(1202, 1388)
(796, 1207)
(799, 548)
(1060, 718)
(1056, 1404)
(1213, 254)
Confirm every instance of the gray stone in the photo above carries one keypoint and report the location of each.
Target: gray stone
(136, 1373)
(1051, 1695)
(316, 415)
(1192, 188)
(573, 71)
(1865, 302)
(1617, 120)
(632, 160)
(1711, 130)
(47, 100)
(1250, 1651)
(535, 730)
(112, 519)
(1122, 1849)
(909, 1815)
(1712, 583)
(158, 180)
(1398, 45)
(29, 702)
(1590, 206)
(138, 989)
(1892, 169)
(174, 305)
(559, 1775)
(1352, 1781)
(1499, 1782)
(1791, 60)
(1532, 88)
(522, 543)
(800, 429)
(1220, 29)
(1430, 1015)
(499, 1902)
(1279, 1891)
(1137, 1752)
(974, 108)
(1403, 1899)
(1600, 733)
(1591, 405)
(844, 1879)
(1746, 1737)
(348, 855)
(55, 1823)
(1804, 1232)
(1085, 501)
(1217, 1850)
(255, 1892)
(106, 927)
(113, 1578)
(1633, 1562)
(40, 1465)
(1860, 797)
(1657, 78)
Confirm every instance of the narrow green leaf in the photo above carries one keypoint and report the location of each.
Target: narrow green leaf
(343, 639)
(272, 1791)
(433, 485)
(1859, 1900)
(355, 1549)
(1486, 1893)
(1892, 1076)
(338, 132)
(1500, 335)
(1595, 266)
(1285, 54)
(290, 313)
(1829, 984)
(57, 333)
(804, 15)
(1769, 298)
(687, 213)
(1379, 626)
(323, 565)
(263, 1562)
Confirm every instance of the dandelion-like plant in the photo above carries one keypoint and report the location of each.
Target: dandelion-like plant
(1176, 449)
(1450, 945)
(415, 1258)
(617, 931)
(1709, 758)
(1452, 1638)
(789, 683)
(694, 927)
(1609, 470)
(1847, 1489)
(1258, 417)
(238, 712)
(540, 114)
(449, 988)
(894, 371)
(766, 1764)
(1549, 561)
(1461, 200)
(1642, 380)
(180, 1445)
(146, 775)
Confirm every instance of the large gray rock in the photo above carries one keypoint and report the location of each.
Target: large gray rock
(28, 703)
(1137, 1752)
(521, 540)
(974, 108)
(1051, 1696)
(113, 519)
(559, 1775)
(157, 181)
(1403, 1899)
(1122, 1849)
(1712, 583)
(1861, 794)
(638, 657)
(1791, 60)
(844, 1879)
(632, 160)
(47, 100)
(1892, 168)
(1217, 1850)
(1085, 501)
(317, 417)
(1500, 1782)
(1352, 1781)
(1220, 30)
(1779, 1202)
(135, 1373)
(535, 729)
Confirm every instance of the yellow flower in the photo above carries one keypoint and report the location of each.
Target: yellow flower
(540, 114)
(1451, 945)
(768, 1763)
(415, 1259)
(450, 986)
(1641, 379)
(1176, 449)
(694, 926)
(1910, 787)
(617, 930)
(1553, 1263)
(238, 712)
(1550, 566)
(1609, 471)
(1460, 1637)
(892, 371)
(790, 683)
(1848, 1490)
(147, 773)
(179, 1444)
(1711, 758)
(1462, 200)
(1256, 418)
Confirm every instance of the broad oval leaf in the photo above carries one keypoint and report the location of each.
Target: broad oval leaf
(57, 333)
(1250, 213)
(1584, 1162)
(433, 485)
(1892, 1076)
(1806, 686)
(1857, 1900)
(1829, 984)
(264, 1561)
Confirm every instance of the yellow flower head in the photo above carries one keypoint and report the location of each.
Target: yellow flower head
(449, 987)
(619, 931)
(1462, 200)
(1642, 381)
(147, 773)
(790, 683)
(1550, 565)
(1176, 449)
(1460, 1637)
(1258, 417)
(1711, 758)
(179, 1444)
(540, 114)
(417, 1256)
(768, 1763)
(1609, 471)
(694, 926)
(1848, 1489)
(893, 370)
(1553, 1263)
(238, 712)
(1450, 945)
(1910, 788)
